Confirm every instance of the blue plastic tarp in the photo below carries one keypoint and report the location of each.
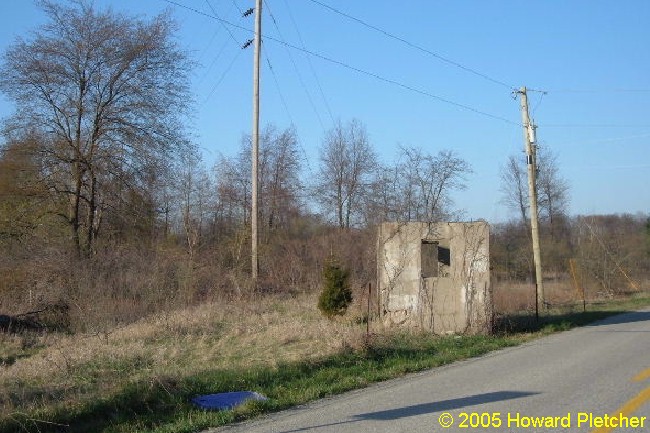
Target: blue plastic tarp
(226, 400)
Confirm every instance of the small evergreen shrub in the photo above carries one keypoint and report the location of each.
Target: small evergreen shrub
(336, 294)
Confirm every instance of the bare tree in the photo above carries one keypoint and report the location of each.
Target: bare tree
(347, 161)
(383, 199)
(279, 179)
(194, 189)
(109, 90)
(552, 188)
(514, 188)
(233, 188)
(23, 199)
(419, 186)
(432, 179)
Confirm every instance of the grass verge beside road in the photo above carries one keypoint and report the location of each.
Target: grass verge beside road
(151, 400)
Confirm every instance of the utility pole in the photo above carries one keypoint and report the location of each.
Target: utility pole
(255, 138)
(531, 163)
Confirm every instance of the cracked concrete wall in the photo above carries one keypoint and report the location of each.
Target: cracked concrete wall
(435, 276)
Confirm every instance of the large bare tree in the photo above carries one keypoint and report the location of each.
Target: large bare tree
(347, 161)
(109, 92)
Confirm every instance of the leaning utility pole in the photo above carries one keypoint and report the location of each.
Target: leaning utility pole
(256, 137)
(531, 162)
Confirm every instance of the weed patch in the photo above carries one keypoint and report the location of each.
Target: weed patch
(148, 400)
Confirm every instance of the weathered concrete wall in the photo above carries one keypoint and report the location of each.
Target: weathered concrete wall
(435, 276)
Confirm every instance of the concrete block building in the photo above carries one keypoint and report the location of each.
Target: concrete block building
(435, 276)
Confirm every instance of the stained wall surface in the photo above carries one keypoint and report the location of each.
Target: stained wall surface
(435, 276)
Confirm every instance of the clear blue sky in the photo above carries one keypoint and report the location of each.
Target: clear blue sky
(590, 56)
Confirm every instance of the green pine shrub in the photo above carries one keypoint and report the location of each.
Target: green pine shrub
(336, 295)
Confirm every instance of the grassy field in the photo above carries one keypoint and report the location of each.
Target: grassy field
(141, 377)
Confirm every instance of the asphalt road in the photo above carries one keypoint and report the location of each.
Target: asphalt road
(597, 370)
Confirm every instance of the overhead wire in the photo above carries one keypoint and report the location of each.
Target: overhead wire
(295, 67)
(275, 78)
(222, 22)
(277, 86)
(539, 102)
(593, 125)
(207, 46)
(234, 2)
(586, 125)
(221, 49)
(413, 45)
(358, 70)
(604, 140)
(214, 61)
(602, 90)
(311, 65)
(235, 57)
(223, 75)
(304, 152)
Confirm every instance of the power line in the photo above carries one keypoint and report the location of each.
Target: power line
(222, 22)
(358, 70)
(539, 102)
(286, 107)
(602, 90)
(311, 65)
(232, 62)
(277, 86)
(605, 140)
(407, 87)
(223, 75)
(610, 167)
(207, 46)
(234, 2)
(284, 103)
(415, 46)
(593, 125)
(295, 67)
(275, 79)
(209, 68)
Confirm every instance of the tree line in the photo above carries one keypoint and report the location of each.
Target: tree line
(107, 206)
(104, 196)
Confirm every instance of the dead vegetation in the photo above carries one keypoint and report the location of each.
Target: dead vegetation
(137, 254)
(44, 369)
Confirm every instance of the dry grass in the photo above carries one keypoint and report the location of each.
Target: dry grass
(63, 371)
(561, 293)
(67, 369)
(517, 296)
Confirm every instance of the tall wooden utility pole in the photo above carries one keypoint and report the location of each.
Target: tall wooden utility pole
(531, 163)
(256, 138)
